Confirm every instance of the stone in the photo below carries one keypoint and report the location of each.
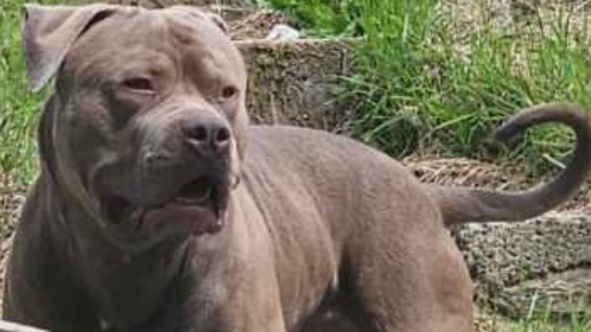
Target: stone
(515, 264)
(297, 82)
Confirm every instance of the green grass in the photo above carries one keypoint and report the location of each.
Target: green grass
(543, 320)
(18, 108)
(452, 102)
(419, 92)
(576, 324)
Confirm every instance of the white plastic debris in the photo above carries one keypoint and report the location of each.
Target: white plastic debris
(283, 32)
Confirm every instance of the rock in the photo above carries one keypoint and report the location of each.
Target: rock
(513, 263)
(297, 82)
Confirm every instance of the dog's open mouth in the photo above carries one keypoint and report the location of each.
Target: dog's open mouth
(197, 208)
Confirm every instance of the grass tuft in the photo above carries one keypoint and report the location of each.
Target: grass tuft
(425, 89)
(18, 107)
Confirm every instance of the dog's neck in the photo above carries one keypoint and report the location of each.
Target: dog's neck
(126, 288)
(129, 288)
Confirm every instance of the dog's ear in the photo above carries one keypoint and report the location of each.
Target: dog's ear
(49, 32)
(198, 13)
(219, 21)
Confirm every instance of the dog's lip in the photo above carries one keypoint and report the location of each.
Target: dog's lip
(197, 207)
(194, 219)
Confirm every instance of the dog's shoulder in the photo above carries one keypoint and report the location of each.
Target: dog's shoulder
(305, 148)
(294, 138)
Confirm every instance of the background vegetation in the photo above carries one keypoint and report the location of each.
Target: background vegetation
(429, 85)
(17, 105)
(425, 84)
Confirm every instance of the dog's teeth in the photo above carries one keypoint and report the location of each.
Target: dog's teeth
(205, 195)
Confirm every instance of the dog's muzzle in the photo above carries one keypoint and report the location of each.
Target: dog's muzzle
(184, 178)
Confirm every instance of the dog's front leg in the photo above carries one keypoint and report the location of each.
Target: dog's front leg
(237, 305)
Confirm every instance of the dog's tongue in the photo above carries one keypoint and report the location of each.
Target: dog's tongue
(195, 219)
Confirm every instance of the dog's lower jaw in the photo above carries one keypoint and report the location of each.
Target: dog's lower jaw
(125, 238)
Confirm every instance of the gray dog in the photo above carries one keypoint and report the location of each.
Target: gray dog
(159, 209)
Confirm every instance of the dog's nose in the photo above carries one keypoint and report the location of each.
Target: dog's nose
(209, 134)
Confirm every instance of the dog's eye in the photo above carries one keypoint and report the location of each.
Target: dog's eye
(140, 84)
(229, 92)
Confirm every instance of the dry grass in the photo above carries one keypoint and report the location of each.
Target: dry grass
(473, 173)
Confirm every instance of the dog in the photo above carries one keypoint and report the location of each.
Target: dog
(158, 208)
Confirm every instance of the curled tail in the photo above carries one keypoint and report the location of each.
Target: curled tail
(461, 205)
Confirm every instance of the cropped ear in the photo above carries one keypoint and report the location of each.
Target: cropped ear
(198, 13)
(219, 21)
(48, 33)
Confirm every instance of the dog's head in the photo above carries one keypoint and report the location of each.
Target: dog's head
(147, 123)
